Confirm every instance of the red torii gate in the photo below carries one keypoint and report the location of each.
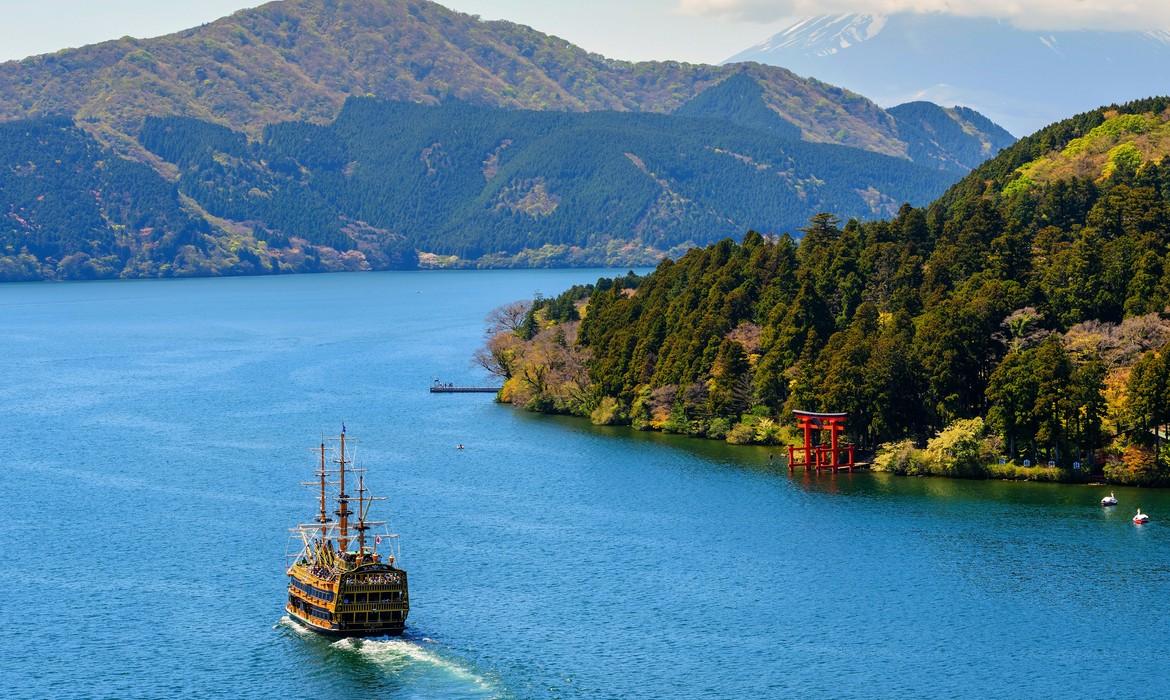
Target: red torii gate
(821, 456)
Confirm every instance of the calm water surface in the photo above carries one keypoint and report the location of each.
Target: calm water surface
(156, 433)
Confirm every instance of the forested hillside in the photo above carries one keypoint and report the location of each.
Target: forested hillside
(520, 187)
(75, 210)
(1021, 316)
(455, 184)
(383, 134)
(954, 138)
(300, 60)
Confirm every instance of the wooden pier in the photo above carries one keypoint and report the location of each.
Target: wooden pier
(452, 389)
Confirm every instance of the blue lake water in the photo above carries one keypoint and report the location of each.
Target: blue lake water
(155, 434)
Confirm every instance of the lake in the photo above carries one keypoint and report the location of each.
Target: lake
(156, 433)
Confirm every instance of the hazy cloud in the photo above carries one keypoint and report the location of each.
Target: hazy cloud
(1028, 14)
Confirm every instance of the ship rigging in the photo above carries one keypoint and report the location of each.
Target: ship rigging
(342, 581)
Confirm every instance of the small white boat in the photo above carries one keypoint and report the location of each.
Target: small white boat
(1141, 518)
(1109, 500)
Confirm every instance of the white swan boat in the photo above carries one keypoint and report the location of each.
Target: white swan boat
(1141, 518)
(1109, 500)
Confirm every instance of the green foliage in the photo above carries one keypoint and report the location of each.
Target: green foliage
(952, 322)
(742, 434)
(1043, 405)
(79, 211)
(480, 183)
(1016, 472)
(957, 450)
(718, 428)
(752, 430)
(900, 457)
(609, 412)
(1123, 161)
(1019, 185)
(966, 456)
(1148, 394)
(76, 211)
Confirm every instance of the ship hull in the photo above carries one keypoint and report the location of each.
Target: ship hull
(371, 600)
(346, 633)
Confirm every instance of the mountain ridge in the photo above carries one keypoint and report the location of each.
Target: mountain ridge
(264, 165)
(1021, 79)
(300, 59)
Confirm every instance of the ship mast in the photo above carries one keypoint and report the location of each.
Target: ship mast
(323, 518)
(361, 526)
(343, 500)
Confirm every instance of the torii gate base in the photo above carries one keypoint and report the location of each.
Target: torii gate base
(834, 456)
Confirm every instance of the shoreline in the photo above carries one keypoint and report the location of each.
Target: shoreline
(994, 471)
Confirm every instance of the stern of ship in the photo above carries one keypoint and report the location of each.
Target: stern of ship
(372, 600)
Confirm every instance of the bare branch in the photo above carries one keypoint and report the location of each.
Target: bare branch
(509, 317)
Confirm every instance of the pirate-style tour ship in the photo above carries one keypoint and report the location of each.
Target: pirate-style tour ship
(339, 583)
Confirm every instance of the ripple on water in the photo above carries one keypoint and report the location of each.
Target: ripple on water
(155, 463)
(405, 657)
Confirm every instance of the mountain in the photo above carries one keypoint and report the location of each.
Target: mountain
(1021, 79)
(69, 201)
(955, 139)
(300, 60)
(1023, 314)
(356, 134)
(472, 181)
(73, 209)
(463, 184)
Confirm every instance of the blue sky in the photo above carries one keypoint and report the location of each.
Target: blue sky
(629, 29)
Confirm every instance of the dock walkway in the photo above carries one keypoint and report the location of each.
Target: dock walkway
(448, 389)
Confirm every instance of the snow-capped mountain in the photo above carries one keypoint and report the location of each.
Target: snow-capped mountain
(823, 36)
(1021, 79)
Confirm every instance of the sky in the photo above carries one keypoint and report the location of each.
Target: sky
(700, 31)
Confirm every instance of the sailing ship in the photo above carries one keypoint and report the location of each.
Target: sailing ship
(343, 581)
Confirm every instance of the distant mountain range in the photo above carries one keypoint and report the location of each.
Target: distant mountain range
(1021, 79)
(358, 134)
